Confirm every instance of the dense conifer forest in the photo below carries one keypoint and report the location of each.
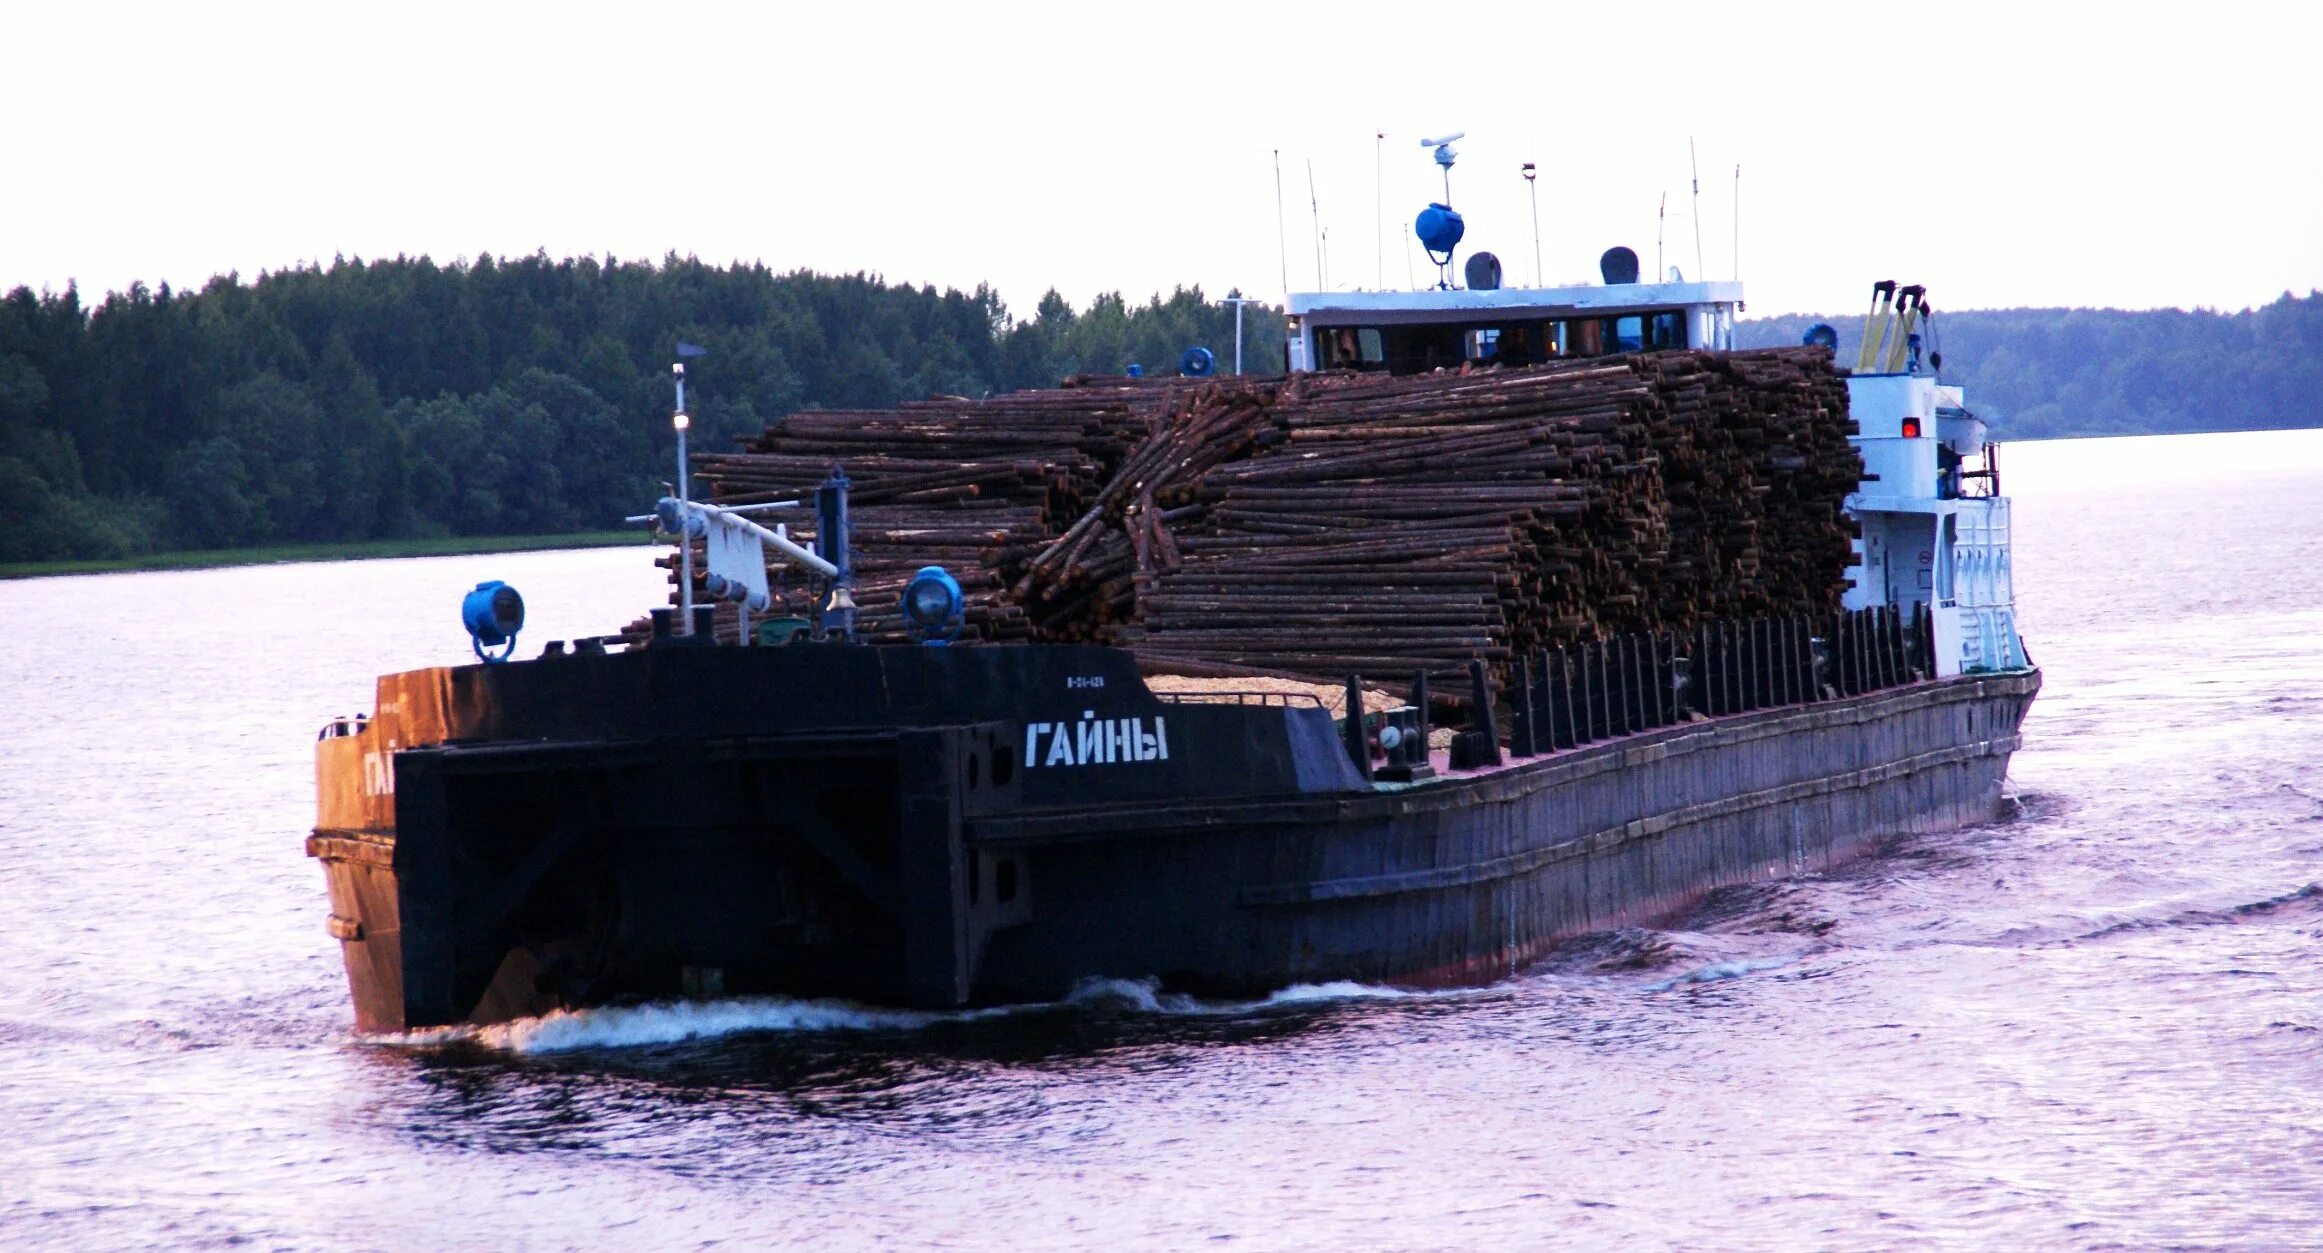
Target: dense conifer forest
(407, 399)
(2047, 373)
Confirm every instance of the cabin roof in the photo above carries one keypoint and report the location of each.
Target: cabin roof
(1371, 308)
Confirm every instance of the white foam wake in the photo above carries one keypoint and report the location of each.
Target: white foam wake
(674, 1022)
(1145, 995)
(1719, 972)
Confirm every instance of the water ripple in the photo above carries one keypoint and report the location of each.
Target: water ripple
(2098, 1023)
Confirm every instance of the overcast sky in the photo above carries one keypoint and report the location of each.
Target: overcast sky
(2003, 155)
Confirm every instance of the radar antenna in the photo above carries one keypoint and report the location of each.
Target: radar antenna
(1446, 154)
(1438, 226)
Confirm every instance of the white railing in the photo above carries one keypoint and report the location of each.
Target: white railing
(1981, 631)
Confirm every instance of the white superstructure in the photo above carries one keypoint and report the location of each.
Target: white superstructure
(1935, 530)
(1415, 331)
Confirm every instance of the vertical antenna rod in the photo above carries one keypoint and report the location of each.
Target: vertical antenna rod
(1378, 213)
(1661, 224)
(1696, 167)
(1282, 245)
(1738, 221)
(1316, 204)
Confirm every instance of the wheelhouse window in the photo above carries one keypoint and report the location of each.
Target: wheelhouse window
(1640, 332)
(1352, 348)
(1418, 349)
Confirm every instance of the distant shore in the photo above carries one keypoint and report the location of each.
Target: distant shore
(363, 550)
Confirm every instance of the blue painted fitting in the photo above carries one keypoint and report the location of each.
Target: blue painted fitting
(933, 605)
(493, 614)
(1440, 228)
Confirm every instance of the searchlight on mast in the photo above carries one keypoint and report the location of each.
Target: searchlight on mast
(1439, 226)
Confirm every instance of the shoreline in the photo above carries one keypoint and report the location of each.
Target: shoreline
(358, 550)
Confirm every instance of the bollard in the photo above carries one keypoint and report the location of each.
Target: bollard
(1479, 745)
(1358, 740)
(1520, 713)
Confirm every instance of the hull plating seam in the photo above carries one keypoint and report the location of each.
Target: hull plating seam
(1534, 859)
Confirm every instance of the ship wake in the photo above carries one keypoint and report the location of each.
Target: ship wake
(679, 1022)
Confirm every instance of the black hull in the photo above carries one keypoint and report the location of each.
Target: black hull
(907, 859)
(1465, 881)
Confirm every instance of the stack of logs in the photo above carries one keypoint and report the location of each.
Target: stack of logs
(1336, 522)
(975, 486)
(1411, 523)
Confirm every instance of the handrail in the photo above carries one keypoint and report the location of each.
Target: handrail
(1263, 699)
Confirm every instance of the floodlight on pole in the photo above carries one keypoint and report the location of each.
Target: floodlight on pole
(679, 422)
(1534, 190)
(1238, 302)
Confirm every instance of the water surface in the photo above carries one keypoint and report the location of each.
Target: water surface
(2097, 1023)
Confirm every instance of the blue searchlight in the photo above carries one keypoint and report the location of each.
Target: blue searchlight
(933, 607)
(493, 614)
(1440, 229)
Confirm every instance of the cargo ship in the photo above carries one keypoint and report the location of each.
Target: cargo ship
(740, 800)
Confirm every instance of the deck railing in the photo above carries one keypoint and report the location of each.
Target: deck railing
(1565, 697)
(1280, 699)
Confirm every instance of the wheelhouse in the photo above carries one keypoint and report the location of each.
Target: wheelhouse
(1418, 331)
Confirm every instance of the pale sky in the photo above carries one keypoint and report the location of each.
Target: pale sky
(2015, 154)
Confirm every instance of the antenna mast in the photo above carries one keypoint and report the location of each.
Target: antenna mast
(1738, 221)
(1282, 245)
(1661, 224)
(1315, 203)
(1378, 211)
(1696, 167)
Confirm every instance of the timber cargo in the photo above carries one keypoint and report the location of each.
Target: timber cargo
(1507, 616)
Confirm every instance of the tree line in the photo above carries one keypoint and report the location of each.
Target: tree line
(2049, 373)
(403, 398)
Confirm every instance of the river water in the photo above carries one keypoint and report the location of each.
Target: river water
(2097, 1023)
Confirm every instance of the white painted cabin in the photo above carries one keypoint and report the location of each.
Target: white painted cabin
(1417, 331)
(1935, 528)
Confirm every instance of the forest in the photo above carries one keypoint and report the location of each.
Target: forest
(2051, 373)
(407, 399)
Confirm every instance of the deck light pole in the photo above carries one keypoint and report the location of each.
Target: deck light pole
(679, 421)
(1534, 190)
(1238, 302)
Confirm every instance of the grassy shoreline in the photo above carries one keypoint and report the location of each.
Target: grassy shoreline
(366, 550)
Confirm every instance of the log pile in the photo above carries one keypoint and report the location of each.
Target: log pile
(976, 486)
(1337, 522)
(1413, 523)
(1755, 461)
